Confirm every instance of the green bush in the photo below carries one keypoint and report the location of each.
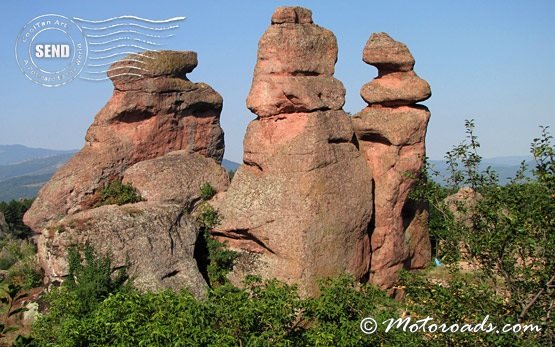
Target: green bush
(19, 258)
(511, 234)
(207, 191)
(117, 193)
(90, 281)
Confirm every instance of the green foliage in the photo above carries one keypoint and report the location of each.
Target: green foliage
(264, 313)
(19, 258)
(13, 212)
(333, 319)
(91, 277)
(461, 298)
(90, 281)
(207, 191)
(510, 236)
(215, 260)
(117, 193)
(208, 217)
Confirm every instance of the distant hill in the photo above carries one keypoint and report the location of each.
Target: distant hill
(13, 154)
(24, 170)
(22, 186)
(34, 167)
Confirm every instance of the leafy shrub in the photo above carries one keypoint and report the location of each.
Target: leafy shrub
(26, 273)
(215, 260)
(207, 191)
(511, 234)
(91, 277)
(207, 216)
(91, 280)
(117, 193)
(19, 258)
(12, 294)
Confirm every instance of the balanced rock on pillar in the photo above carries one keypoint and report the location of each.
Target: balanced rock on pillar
(298, 207)
(391, 132)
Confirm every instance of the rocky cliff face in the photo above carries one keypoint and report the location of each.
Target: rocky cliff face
(391, 132)
(147, 117)
(300, 204)
(319, 193)
(161, 133)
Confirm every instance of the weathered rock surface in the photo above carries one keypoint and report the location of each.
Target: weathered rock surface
(415, 217)
(157, 241)
(287, 77)
(147, 117)
(386, 54)
(463, 205)
(176, 177)
(300, 204)
(396, 89)
(391, 132)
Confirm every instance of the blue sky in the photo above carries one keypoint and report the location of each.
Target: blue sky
(488, 60)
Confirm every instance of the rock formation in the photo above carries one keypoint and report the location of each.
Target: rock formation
(391, 133)
(300, 204)
(176, 177)
(159, 132)
(463, 205)
(147, 117)
(155, 241)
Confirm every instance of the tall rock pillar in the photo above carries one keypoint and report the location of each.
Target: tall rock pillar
(298, 206)
(391, 133)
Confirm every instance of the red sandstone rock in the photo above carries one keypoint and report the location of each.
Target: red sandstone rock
(387, 54)
(299, 206)
(271, 95)
(297, 15)
(155, 240)
(415, 215)
(176, 177)
(396, 89)
(391, 133)
(145, 118)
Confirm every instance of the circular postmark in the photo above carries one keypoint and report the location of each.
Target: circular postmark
(51, 50)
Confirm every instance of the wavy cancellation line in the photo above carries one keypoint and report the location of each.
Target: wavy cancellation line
(133, 25)
(114, 38)
(110, 63)
(130, 32)
(114, 76)
(121, 53)
(146, 42)
(169, 20)
(120, 46)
